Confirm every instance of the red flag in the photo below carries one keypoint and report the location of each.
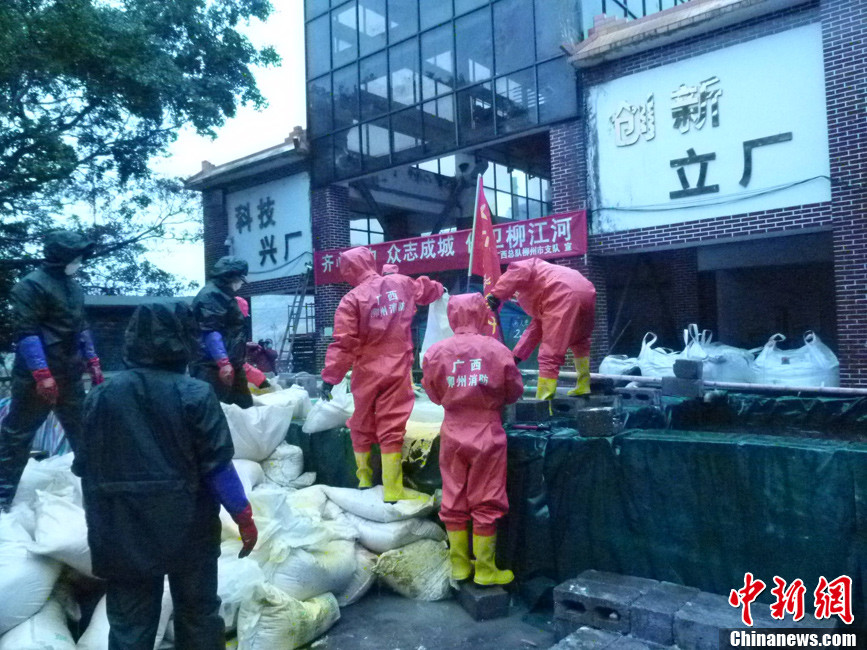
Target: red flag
(484, 258)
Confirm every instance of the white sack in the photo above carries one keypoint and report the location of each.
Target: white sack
(250, 472)
(368, 504)
(258, 430)
(271, 620)
(29, 577)
(362, 580)
(50, 475)
(426, 412)
(720, 362)
(294, 397)
(46, 630)
(419, 571)
(656, 362)
(618, 364)
(95, 637)
(61, 531)
(236, 582)
(438, 328)
(382, 537)
(814, 364)
(284, 465)
(331, 414)
(305, 573)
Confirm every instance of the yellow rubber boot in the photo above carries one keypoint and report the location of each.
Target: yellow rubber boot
(546, 388)
(487, 573)
(392, 480)
(364, 473)
(459, 554)
(582, 386)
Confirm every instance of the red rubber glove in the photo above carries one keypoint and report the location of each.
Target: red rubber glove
(247, 528)
(46, 387)
(95, 370)
(227, 372)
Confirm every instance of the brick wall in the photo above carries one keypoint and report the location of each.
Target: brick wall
(329, 208)
(844, 35)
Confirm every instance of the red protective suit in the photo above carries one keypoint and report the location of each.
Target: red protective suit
(562, 304)
(372, 336)
(473, 376)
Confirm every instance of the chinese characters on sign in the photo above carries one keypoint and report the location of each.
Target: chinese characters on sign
(388, 307)
(560, 235)
(830, 599)
(631, 122)
(690, 105)
(472, 376)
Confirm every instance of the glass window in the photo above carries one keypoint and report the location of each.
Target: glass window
(558, 92)
(406, 134)
(315, 7)
(439, 124)
(504, 205)
(319, 101)
(535, 209)
(504, 179)
(371, 26)
(347, 149)
(375, 144)
(556, 23)
(432, 12)
(345, 96)
(519, 208)
(546, 190)
(475, 113)
(519, 182)
(437, 61)
(405, 87)
(462, 6)
(516, 101)
(323, 158)
(488, 176)
(365, 231)
(374, 86)
(344, 34)
(402, 19)
(513, 35)
(474, 53)
(317, 47)
(533, 188)
(447, 166)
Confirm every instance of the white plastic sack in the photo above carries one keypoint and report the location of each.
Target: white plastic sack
(438, 327)
(720, 362)
(236, 582)
(419, 571)
(814, 364)
(305, 573)
(426, 412)
(46, 630)
(50, 475)
(618, 364)
(250, 472)
(61, 531)
(258, 430)
(362, 580)
(284, 465)
(95, 637)
(656, 362)
(272, 620)
(294, 396)
(368, 504)
(382, 537)
(26, 580)
(331, 414)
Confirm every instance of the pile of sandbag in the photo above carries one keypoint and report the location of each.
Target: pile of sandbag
(320, 548)
(813, 364)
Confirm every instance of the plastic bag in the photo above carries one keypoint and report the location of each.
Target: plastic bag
(50, 475)
(236, 582)
(438, 327)
(382, 537)
(812, 365)
(285, 465)
(656, 362)
(368, 504)
(294, 396)
(258, 430)
(272, 619)
(362, 580)
(46, 630)
(61, 531)
(720, 362)
(419, 571)
(307, 572)
(618, 364)
(331, 414)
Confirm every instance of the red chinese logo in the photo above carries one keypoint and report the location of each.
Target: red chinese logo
(834, 598)
(789, 600)
(745, 596)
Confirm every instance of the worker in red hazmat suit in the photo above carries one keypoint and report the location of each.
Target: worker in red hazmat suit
(372, 336)
(390, 269)
(562, 305)
(473, 376)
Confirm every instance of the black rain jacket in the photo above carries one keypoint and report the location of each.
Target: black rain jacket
(150, 438)
(216, 310)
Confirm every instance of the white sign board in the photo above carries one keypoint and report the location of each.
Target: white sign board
(737, 130)
(269, 227)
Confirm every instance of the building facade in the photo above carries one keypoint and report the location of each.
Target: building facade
(717, 147)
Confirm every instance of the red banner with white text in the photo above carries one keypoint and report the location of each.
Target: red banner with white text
(551, 237)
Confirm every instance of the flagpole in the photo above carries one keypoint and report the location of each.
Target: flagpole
(475, 216)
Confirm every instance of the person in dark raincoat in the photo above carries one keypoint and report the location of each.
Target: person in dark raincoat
(223, 349)
(155, 462)
(54, 346)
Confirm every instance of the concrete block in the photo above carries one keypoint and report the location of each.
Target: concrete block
(636, 397)
(628, 643)
(527, 410)
(652, 616)
(568, 406)
(586, 638)
(682, 387)
(598, 599)
(596, 422)
(688, 369)
(483, 603)
(697, 624)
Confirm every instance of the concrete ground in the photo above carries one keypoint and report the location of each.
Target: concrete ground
(383, 620)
